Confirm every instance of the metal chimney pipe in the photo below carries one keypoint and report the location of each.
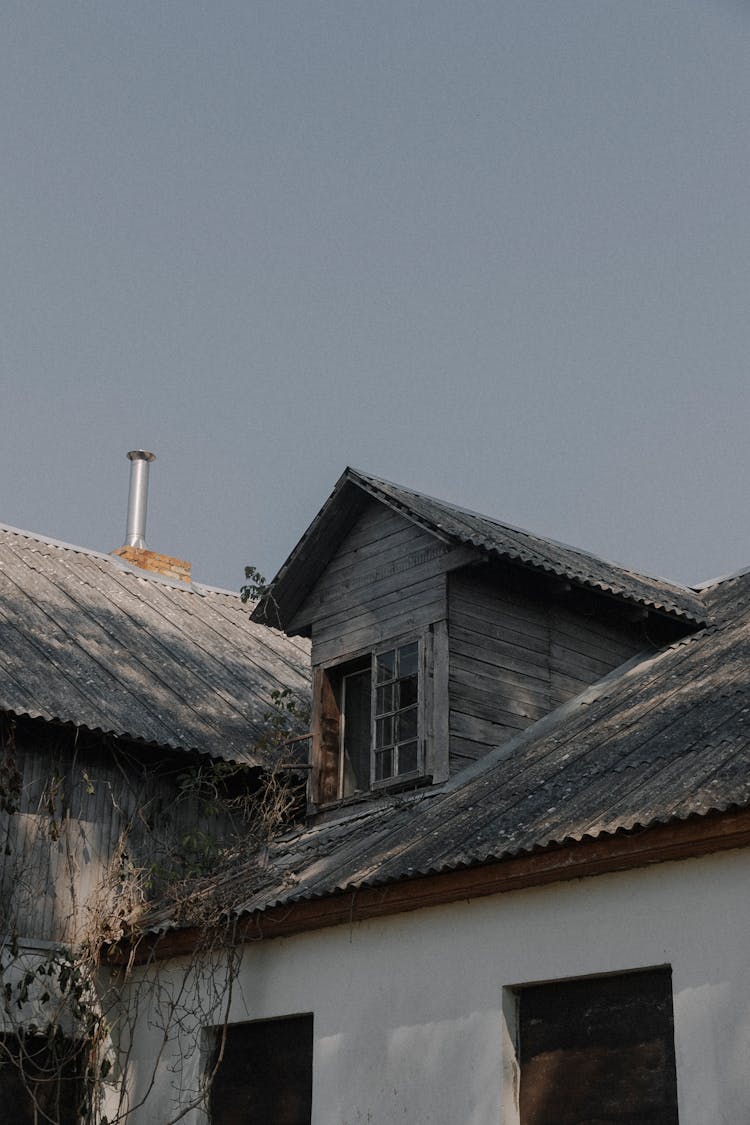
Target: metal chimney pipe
(138, 497)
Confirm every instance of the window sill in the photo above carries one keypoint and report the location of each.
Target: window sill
(379, 793)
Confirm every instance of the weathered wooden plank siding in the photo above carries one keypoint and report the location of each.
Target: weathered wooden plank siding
(513, 659)
(61, 846)
(418, 605)
(583, 649)
(387, 579)
(499, 672)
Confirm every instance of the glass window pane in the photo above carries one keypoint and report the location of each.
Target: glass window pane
(384, 731)
(383, 764)
(406, 725)
(407, 660)
(407, 757)
(385, 665)
(384, 701)
(407, 691)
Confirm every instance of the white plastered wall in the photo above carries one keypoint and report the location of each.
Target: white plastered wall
(408, 1011)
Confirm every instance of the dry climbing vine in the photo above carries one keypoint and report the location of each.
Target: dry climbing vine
(69, 1010)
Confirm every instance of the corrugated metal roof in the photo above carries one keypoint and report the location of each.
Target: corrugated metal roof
(515, 545)
(453, 524)
(665, 738)
(89, 640)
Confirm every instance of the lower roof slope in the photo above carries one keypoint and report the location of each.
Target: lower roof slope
(88, 640)
(664, 738)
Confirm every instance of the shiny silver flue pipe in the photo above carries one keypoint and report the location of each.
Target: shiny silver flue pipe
(135, 533)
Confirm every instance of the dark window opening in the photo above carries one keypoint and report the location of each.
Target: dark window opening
(598, 1050)
(40, 1080)
(265, 1076)
(355, 735)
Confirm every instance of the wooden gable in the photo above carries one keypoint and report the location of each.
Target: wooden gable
(386, 577)
(500, 651)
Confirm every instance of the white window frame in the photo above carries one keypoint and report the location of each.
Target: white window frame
(397, 778)
(373, 653)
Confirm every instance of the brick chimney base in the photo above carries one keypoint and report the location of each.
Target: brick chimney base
(164, 565)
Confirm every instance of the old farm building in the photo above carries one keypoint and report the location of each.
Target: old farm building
(517, 891)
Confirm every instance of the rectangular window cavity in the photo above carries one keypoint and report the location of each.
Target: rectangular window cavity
(265, 1076)
(597, 1049)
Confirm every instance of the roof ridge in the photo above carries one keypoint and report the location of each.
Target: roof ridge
(51, 542)
(199, 588)
(712, 583)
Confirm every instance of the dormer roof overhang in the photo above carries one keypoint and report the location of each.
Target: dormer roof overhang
(459, 527)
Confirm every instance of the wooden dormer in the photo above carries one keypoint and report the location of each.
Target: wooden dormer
(438, 634)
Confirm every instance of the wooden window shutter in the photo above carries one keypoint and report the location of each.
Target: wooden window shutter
(599, 1049)
(326, 739)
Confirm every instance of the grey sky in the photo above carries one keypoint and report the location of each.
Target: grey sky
(497, 251)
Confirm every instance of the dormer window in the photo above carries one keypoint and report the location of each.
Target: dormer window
(379, 728)
(438, 635)
(369, 723)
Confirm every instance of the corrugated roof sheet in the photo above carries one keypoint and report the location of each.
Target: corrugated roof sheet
(664, 738)
(453, 524)
(87, 639)
(512, 544)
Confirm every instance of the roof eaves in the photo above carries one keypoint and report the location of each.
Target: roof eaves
(126, 736)
(473, 861)
(610, 589)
